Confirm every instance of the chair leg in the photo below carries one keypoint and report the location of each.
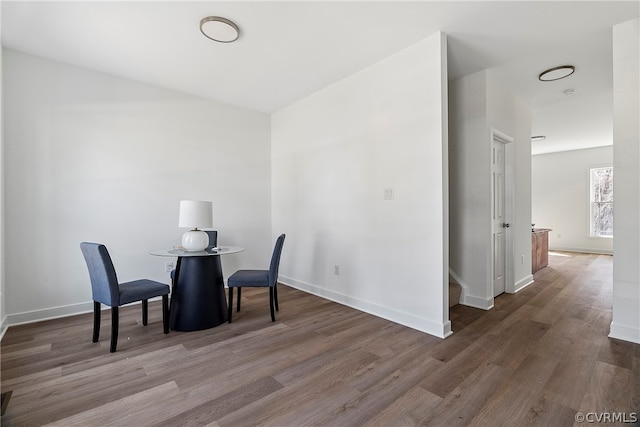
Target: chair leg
(230, 306)
(96, 321)
(238, 303)
(114, 328)
(165, 313)
(271, 304)
(145, 312)
(275, 296)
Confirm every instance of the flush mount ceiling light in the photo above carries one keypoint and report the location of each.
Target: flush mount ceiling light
(538, 138)
(219, 29)
(556, 73)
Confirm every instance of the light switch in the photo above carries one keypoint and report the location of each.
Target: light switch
(388, 193)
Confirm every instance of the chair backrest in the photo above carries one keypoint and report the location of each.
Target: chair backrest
(104, 282)
(275, 261)
(213, 238)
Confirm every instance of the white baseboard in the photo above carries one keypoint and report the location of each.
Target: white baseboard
(456, 278)
(582, 250)
(625, 333)
(49, 313)
(470, 300)
(3, 327)
(52, 313)
(523, 283)
(476, 302)
(412, 321)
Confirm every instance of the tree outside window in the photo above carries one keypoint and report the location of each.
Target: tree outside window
(602, 202)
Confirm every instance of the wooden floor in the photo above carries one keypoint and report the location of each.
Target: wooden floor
(537, 358)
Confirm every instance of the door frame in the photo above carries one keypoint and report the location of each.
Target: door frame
(509, 206)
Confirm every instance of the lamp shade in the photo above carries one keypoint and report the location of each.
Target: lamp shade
(194, 214)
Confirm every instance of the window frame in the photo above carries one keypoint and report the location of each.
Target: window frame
(592, 202)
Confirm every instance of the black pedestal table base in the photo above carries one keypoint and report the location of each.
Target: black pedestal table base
(198, 299)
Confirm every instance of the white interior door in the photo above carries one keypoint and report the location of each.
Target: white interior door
(499, 220)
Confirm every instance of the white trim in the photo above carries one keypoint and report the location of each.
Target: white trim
(509, 206)
(53, 313)
(444, 98)
(470, 300)
(582, 250)
(459, 281)
(501, 137)
(49, 313)
(419, 323)
(624, 332)
(476, 302)
(3, 327)
(523, 283)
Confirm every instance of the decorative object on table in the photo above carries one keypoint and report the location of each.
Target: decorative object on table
(106, 290)
(213, 242)
(194, 215)
(258, 279)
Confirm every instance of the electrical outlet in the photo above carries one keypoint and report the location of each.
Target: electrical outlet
(336, 270)
(168, 267)
(521, 259)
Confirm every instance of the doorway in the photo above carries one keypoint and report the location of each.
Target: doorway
(501, 212)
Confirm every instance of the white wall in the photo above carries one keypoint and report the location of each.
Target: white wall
(560, 198)
(626, 163)
(478, 104)
(470, 189)
(509, 114)
(94, 157)
(333, 153)
(3, 311)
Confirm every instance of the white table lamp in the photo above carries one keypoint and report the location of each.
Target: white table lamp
(195, 215)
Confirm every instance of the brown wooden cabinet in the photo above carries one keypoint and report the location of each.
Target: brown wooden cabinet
(539, 248)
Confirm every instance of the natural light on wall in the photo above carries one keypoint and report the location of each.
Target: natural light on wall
(601, 185)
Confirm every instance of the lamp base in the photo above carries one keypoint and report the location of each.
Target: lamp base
(195, 240)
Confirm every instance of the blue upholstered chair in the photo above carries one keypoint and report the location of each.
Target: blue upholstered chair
(106, 290)
(213, 238)
(258, 279)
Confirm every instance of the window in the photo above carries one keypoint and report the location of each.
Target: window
(602, 202)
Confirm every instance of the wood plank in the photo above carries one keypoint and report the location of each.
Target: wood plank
(145, 408)
(466, 400)
(616, 352)
(374, 398)
(444, 380)
(611, 389)
(520, 400)
(407, 410)
(234, 400)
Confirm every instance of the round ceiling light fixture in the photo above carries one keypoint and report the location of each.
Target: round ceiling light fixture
(538, 138)
(219, 29)
(556, 73)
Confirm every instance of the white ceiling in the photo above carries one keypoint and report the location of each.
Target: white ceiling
(288, 50)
